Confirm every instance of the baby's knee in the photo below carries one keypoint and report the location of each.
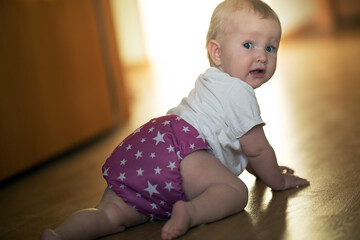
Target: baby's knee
(49, 234)
(121, 214)
(113, 213)
(242, 191)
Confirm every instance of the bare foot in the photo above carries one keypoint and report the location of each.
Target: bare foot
(179, 222)
(49, 234)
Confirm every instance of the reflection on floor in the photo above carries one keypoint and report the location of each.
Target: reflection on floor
(312, 112)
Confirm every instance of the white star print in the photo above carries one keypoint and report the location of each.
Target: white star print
(122, 186)
(140, 172)
(170, 148)
(122, 162)
(153, 206)
(168, 213)
(153, 121)
(167, 122)
(178, 118)
(138, 154)
(168, 186)
(159, 138)
(138, 195)
(128, 147)
(120, 145)
(162, 202)
(185, 129)
(151, 189)
(192, 146)
(151, 129)
(201, 137)
(171, 165)
(157, 170)
(152, 155)
(178, 155)
(137, 131)
(105, 173)
(122, 177)
(143, 140)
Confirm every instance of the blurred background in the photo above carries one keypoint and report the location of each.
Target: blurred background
(72, 70)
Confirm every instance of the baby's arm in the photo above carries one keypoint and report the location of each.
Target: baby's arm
(263, 163)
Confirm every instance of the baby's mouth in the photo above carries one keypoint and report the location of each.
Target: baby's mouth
(257, 72)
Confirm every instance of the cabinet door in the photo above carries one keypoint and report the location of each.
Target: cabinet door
(54, 91)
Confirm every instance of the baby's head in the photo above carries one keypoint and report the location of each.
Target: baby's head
(243, 40)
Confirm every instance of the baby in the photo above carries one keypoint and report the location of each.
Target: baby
(184, 167)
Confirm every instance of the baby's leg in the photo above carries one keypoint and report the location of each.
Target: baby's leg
(213, 192)
(111, 215)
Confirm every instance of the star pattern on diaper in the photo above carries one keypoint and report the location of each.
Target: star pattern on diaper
(148, 157)
(151, 189)
(122, 176)
(138, 154)
(172, 165)
(168, 186)
(157, 170)
(140, 172)
(105, 173)
(159, 138)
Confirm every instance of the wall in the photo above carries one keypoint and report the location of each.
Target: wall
(294, 14)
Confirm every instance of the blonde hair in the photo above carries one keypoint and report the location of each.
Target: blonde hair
(225, 9)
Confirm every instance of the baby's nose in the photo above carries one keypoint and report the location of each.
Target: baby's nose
(261, 55)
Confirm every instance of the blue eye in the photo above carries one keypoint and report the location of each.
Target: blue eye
(248, 45)
(270, 49)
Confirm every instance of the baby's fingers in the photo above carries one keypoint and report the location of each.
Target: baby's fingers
(302, 182)
(292, 181)
(285, 169)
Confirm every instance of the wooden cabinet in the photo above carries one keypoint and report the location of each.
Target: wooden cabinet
(60, 79)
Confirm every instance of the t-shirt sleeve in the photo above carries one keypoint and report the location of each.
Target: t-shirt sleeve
(242, 109)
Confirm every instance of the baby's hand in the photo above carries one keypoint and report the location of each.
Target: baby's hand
(285, 169)
(291, 180)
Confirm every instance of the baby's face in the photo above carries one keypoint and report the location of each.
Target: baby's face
(249, 48)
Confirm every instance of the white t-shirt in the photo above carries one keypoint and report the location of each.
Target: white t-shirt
(222, 109)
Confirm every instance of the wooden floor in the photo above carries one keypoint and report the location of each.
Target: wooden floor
(312, 110)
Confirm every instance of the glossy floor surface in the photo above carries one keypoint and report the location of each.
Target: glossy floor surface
(312, 111)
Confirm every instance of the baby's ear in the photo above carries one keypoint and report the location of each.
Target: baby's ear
(214, 52)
